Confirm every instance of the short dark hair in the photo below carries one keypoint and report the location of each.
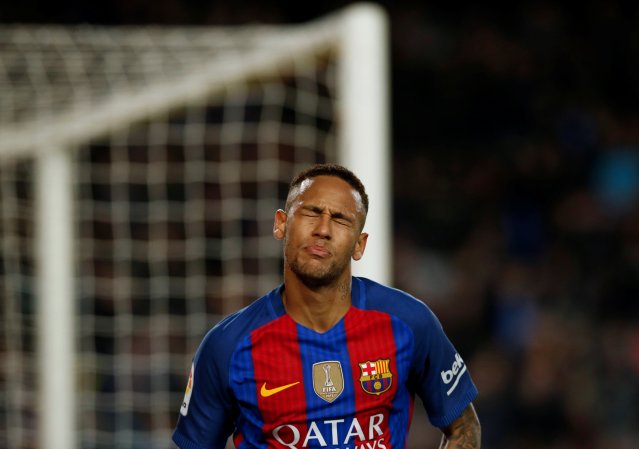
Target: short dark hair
(336, 170)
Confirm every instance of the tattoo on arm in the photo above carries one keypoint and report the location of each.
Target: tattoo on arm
(464, 432)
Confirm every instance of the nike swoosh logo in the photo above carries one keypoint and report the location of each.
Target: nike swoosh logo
(266, 392)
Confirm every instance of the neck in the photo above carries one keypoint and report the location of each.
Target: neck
(318, 308)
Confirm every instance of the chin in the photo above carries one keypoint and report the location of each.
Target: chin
(315, 278)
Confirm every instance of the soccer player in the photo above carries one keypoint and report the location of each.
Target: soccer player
(325, 360)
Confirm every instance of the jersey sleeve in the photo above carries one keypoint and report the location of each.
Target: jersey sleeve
(207, 414)
(442, 378)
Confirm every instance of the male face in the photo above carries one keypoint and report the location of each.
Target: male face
(322, 230)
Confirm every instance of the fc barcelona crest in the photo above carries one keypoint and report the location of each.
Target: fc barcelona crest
(376, 376)
(328, 380)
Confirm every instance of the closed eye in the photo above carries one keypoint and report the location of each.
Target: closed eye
(315, 212)
(341, 220)
(310, 213)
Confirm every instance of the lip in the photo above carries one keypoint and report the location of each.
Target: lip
(318, 250)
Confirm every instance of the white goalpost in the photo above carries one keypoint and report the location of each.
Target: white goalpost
(140, 169)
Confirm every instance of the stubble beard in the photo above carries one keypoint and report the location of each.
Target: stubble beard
(315, 277)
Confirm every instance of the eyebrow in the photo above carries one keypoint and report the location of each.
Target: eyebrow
(319, 210)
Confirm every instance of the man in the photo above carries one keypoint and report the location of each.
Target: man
(326, 360)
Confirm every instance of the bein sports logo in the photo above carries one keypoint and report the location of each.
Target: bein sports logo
(455, 373)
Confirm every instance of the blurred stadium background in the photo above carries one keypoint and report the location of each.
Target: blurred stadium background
(515, 171)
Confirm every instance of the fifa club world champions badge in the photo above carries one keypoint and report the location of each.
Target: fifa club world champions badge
(328, 380)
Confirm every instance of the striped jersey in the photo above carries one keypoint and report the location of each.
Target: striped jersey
(274, 383)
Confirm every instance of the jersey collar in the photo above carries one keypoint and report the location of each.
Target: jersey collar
(358, 295)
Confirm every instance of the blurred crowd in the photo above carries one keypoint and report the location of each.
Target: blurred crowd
(517, 210)
(516, 197)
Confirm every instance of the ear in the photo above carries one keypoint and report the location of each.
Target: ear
(360, 246)
(279, 225)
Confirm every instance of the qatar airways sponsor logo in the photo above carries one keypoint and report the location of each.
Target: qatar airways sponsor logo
(454, 374)
(366, 434)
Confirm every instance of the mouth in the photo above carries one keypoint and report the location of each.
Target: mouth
(317, 250)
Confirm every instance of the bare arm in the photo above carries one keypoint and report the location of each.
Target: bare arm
(464, 432)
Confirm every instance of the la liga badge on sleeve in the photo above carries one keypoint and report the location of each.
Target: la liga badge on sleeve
(187, 394)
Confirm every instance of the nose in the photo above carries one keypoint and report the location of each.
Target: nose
(322, 227)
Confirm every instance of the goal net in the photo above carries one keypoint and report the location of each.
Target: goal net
(140, 169)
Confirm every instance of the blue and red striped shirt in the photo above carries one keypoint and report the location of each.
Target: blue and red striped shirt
(274, 383)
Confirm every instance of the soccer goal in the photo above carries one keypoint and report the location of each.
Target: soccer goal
(140, 169)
